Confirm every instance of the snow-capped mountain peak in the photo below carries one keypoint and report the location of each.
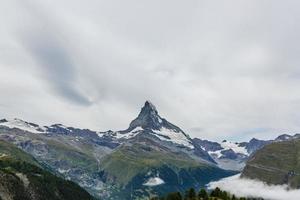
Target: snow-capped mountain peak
(148, 118)
(22, 125)
(150, 122)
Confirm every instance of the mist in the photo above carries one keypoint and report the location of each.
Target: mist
(243, 187)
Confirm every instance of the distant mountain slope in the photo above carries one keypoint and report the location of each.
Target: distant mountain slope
(21, 178)
(158, 158)
(233, 155)
(276, 163)
(230, 155)
(8, 150)
(140, 170)
(73, 154)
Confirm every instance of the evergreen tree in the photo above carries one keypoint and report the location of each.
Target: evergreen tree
(174, 196)
(216, 192)
(190, 194)
(203, 195)
(224, 195)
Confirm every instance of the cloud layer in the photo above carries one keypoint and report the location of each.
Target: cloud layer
(253, 188)
(217, 69)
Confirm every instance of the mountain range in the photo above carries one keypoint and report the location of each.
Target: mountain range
(150, 157)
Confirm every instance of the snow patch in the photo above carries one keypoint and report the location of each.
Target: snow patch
(227, 145)
(175, 137)
(154, 182)
(100, 134)
(217, 154)
(22, 125)
(63, 171)
(235, 147)
(129, 135)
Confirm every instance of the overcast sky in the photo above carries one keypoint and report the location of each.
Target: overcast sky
(218, 69)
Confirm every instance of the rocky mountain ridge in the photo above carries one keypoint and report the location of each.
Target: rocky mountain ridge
(148, 149)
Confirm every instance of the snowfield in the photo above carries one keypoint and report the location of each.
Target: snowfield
(175, 137)
(154, 182)
(22, 125)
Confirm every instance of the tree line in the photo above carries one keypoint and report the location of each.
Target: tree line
(191, 194)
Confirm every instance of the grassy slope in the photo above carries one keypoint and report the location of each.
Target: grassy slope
(16, 153)
(63, 152)
(38, 184)
(277, 163)
(129, 165)
(128, 161)
(62, 149)
(82, 158)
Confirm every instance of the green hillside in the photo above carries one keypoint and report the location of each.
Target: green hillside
(130, 166)
(10, 150)
(23, 179)
(128, 161)
(277, 163)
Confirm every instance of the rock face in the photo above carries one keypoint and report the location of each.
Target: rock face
(150, 119)
(22, 178)
(151, 122)
(276, 163)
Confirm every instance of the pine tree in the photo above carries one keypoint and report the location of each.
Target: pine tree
(203, 194)
(174, 196)
(190, 194)
(216, 192)
(224, 195)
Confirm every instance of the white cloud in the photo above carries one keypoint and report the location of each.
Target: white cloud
(254, 188)
(216, 69)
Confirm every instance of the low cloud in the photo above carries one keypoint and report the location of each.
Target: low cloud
(254, 188)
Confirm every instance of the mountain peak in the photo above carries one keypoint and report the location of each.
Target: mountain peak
(283, 137)
(148, 118)
(150, 122)
(148, 109)
(151, 105)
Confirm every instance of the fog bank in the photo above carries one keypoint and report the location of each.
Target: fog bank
(254, 188)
